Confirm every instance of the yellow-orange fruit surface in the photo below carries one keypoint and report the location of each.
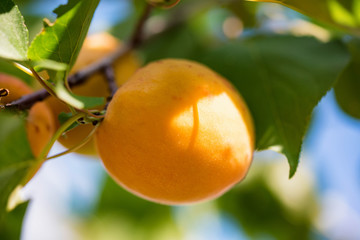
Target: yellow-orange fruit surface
(176, 133)
(95, 47)
(40, 124)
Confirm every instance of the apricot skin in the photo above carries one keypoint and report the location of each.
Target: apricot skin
(176, 133)
(94, 48)
(40, 124)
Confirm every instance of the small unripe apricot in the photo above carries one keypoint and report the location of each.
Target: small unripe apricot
(40, 125)
(94, 48)
(163, 3)
(176, 133)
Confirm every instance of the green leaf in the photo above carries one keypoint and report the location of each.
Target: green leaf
(16, 156)
(11, 228)
(61, 41)
(347, 89)
(282, 78)
(50, 65)
(77, 101)
(341, 13)
(63, 117)
(81, 102)
(14, 36)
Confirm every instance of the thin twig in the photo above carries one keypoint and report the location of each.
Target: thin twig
(137, 36)
(76, 147)
(110, 77)
(45, 151)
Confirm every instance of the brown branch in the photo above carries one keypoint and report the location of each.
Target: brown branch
(27, 101)
(110, 77)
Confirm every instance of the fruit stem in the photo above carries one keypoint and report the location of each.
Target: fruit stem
(74, 148)
(58, 133)
(41, 158)
(42, 82)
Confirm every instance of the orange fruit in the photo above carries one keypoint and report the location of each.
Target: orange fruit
(176, 133)
(94, 48)
(40, 124)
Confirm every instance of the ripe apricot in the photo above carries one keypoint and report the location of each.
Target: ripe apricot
(176, 133)
(94, 48)
(40, 124)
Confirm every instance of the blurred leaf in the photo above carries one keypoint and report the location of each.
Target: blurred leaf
(341, 13)
(61, 41)
(245, 10)
(11, 228)
(14, 163)
(115, 199)
(261, 214)
(34, 24)
(166, 45)
(282, 78)
(14, 38)
(124, 29)
(347, 89)
(130, 214)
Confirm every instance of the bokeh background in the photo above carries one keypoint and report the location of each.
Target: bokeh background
(73, 198)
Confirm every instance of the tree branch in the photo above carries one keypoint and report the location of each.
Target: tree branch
(110, 77)
(27, 101)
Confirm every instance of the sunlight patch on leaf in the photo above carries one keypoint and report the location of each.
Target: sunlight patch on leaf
(14, 36)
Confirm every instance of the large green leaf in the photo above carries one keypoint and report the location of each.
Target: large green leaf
(16, 156)
(341, 13)
(282, 78)
(61, 41)
(14, 36)
(347, 89)
(11, 228)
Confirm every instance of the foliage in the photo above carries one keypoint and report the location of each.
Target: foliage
(14, 164)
